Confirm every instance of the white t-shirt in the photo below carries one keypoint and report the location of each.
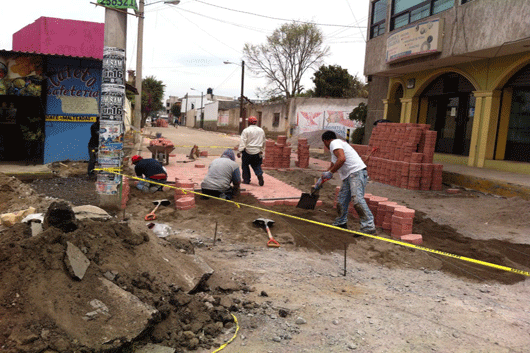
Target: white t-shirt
(353, 162)
(252, 140)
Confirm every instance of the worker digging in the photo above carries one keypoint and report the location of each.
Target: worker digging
(352, 172)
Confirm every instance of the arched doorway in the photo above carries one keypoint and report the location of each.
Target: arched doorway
(518, 129)
(394, 104)
(451, 108)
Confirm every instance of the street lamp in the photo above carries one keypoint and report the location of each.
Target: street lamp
(201, 124)
(139, 54)
(242, 121)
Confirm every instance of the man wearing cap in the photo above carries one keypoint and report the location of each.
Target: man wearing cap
(149, 169)
(222, 172)
(251, 146)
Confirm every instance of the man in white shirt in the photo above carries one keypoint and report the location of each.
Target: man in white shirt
(352, 172)
(251, 146)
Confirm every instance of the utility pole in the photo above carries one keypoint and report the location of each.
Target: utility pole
(242, 122)
(137, 121)
(202, 113)
(111, 100)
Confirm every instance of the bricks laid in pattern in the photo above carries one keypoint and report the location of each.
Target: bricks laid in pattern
(404, 156)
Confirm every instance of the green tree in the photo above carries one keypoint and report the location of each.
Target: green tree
(335, 82)
(152, 94)
(175, 110)
(285, 57)
(359, 113)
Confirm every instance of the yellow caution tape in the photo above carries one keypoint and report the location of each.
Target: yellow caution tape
(409, 245)
(231, 339)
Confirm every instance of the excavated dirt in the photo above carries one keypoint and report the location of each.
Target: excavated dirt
(297, 298)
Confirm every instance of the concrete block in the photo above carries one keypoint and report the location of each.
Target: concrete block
(76, 262)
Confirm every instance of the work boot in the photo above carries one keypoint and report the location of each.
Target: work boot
(343, 225)
(371, 231)
(260, 180)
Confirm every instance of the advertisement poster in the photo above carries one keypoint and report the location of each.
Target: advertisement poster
(420, 39)
(113, 66)
(111, 136)
(21, 75)
(111, 102)
(72, 89)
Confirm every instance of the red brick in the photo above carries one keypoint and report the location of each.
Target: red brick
(199, 165)
(185, 202)
(401, 220)
(453, 191)
(412, 238)
(404, 212)
(268, 203)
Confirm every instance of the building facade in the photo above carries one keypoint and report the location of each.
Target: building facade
(461, 66)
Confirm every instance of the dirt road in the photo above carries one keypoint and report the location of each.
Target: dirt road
(301, 297)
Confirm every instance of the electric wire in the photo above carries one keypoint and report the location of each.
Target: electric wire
(272, 18)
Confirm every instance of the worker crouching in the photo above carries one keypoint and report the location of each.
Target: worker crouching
(223, 178)
(151, 170)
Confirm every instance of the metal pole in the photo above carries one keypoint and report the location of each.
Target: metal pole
(242, 122)
(202, 114)
(186, 111)
(137, 122)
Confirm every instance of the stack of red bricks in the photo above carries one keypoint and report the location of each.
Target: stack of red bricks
(277, 154)
(161, 123)
(389, 215)
(303, 153)
(402, 155)
(184, 199)
(162, 142)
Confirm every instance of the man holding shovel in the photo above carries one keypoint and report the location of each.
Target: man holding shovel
(352, 171)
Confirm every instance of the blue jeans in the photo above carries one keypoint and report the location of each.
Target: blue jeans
(144, 185)
(253, 160)
(353, 187)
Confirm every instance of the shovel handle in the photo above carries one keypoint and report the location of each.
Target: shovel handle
(151, 216)
(271, 242)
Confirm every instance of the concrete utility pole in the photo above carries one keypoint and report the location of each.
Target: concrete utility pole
(241, 117)
(137, 121)
(115, 36)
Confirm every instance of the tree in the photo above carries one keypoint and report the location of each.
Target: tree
(175, 109)
(335, 82)
(152, 94)
(359, 113)
(287, 54)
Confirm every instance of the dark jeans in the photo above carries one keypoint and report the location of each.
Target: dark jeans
(253, 160)
(227, 195)
(93, 155)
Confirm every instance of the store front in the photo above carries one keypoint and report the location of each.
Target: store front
(451, 108)
(21, 107)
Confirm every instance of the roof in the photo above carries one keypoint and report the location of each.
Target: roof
(11, 52)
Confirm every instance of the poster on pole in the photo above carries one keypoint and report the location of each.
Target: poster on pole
(111, 102)
(119, 4)
(113, 66)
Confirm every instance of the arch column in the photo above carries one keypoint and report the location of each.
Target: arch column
(485, 121)
(385, 108)
(409, 109)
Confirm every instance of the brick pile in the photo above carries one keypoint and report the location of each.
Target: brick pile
(389, 215)
(184, 200)
(402, 155)
(277, 154)
(161, 142)
(161, 123)
(303, 154)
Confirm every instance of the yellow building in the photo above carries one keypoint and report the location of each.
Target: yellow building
(462, 66)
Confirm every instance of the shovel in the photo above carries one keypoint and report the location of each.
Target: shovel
(264, 222)
(309, 201)
(151, 216)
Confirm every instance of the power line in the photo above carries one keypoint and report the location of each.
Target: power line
(275, 18)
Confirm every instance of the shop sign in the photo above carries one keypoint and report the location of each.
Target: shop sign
(21, 75)
(72, 89)
(420, 39)
(71, 118)
(119, 4)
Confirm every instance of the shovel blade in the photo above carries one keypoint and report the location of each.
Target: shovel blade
(308, 201)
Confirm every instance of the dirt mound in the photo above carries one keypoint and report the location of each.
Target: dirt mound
(16, 196)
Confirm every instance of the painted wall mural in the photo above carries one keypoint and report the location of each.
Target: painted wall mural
(334, 120)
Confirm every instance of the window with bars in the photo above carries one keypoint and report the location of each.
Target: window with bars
(378, 25)
(408, 11)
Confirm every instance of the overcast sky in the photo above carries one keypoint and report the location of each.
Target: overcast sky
(185, 44)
